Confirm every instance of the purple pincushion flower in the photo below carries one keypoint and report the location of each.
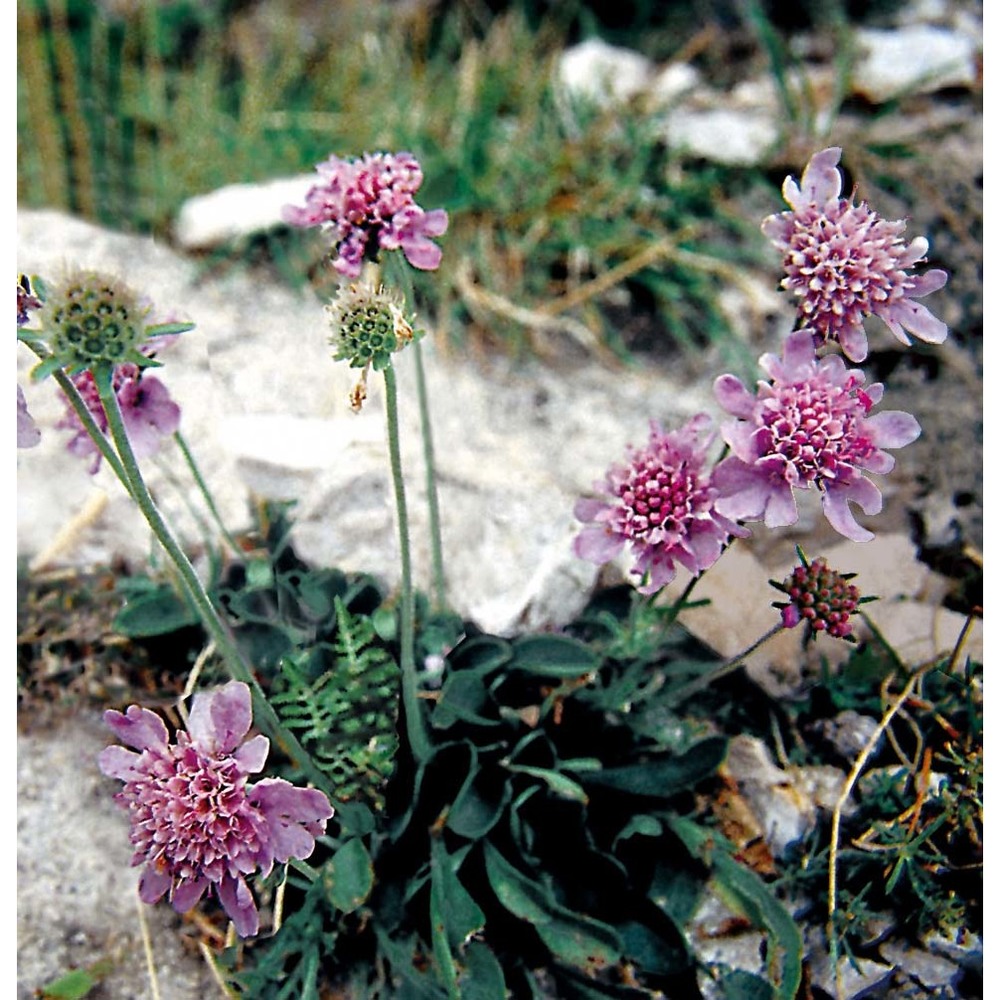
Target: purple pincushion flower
(148, 412)
(810, 425)
(196, 823)
(845, 262)
(369, 205)
(662, 504)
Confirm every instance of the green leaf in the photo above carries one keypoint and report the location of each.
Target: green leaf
(663, 777)
(72, 986)
(464, 698)
(348, 876)
(483, 653)
(482, 976)
(571, 937)
(559, 783)
(472, 814)
(744, 890)
(156, 612)
(646, 826)
(742, 985)
(553, 656)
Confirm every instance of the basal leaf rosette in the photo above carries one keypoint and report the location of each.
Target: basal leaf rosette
(810, 426)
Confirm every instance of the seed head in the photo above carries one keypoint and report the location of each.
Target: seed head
(91, 319)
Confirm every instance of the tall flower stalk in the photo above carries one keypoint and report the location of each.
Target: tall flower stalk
(192, 585)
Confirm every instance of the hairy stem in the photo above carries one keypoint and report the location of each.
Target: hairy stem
(415, 724)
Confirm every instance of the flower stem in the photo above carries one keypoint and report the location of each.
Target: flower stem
(730, 666)
(415, 724)
(206, 494)
(216, 628)
(430, 468)
(433, 508)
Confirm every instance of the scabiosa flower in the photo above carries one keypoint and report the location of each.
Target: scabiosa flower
(195, 821)
(820, 596)
(662, 504)
(28, 434)
(148, 412)
(810, 425)
(367, 326)
(368, 205)
(845, 262)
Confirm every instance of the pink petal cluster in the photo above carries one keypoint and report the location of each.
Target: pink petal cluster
(369, 205)
(662, 504)
(845, 262)
(811, 425)
(196, 823)
(148, 412)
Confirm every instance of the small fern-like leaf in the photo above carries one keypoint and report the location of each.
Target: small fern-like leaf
(346, 717)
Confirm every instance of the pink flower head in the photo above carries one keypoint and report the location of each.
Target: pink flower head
(368, 205)
(845, 262)
(662, 504)
(811, 424)
(28, 434)
(148, 412)
(820, 596)
(195, 821)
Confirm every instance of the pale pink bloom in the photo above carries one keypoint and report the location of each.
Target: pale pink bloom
(845, 262)
(811, 425)
(368, 205)
(148, 412)
(28, 434)
(662, 504)
(196, 823)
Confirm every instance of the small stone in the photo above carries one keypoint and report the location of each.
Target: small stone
(237, 210)
(916, 58)
(606, 74)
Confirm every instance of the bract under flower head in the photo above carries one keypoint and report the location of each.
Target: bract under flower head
(845, 262)
(369, 205)
(93, 319)
(196, 823)
(662, 504)
(811, 425)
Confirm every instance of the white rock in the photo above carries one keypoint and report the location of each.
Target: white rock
(918, 58)
(237, 210)
(672, 82)
(724, 135)
(604, 73)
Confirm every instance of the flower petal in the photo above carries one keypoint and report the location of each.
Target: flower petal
(220, 719)
(138, 728)
(238, 902)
